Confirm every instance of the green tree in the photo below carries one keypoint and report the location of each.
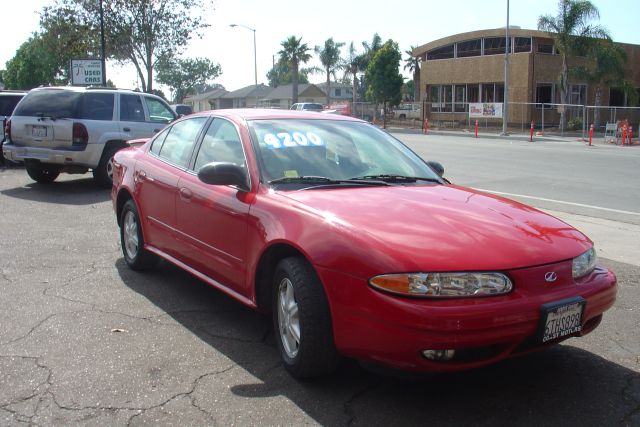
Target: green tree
(574, 34)
(383, 75)
(281, 74)
(412, 64)
(33, 65)
(606, 70)
(329, 55)
(294, 53)
(184, 75)
(141, 32)
(365, 58)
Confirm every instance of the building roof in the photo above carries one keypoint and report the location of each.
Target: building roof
(212, 94)
(333, 84)
(249, 92)
(286, 91)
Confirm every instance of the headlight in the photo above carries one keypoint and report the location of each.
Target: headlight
(443, 285)
(584, 264)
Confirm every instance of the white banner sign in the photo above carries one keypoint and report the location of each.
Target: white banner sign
(485, 110)
(86, 72)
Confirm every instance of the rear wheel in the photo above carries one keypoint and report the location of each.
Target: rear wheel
(132, 240)
(302, 320)
(40, 173)
(103, 173)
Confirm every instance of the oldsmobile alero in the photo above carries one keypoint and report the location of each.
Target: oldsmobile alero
(357, 246)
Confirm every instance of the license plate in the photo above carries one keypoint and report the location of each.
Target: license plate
(561, 318)
(39, 131)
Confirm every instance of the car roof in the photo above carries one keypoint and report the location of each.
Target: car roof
(88, 89)
(267, 114)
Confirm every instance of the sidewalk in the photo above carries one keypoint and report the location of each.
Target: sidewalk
(599, 140)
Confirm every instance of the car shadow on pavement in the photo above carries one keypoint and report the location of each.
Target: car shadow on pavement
(74, 192)
(563, 385)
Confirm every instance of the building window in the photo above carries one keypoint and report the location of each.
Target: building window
(338, 92)
(444, 52)
(473, 93)
(499, 92)
(494, 45)
(616, 97)
(447, 98)
(578, 94)
(545, 48)
(434, 98)
(488, 92)
(544, 94)
(469, 48)
(521, 44)
(460, 106)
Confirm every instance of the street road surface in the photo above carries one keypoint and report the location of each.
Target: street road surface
(86, 341)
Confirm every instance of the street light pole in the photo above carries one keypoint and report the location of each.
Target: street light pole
(505, 108)
(255, 60)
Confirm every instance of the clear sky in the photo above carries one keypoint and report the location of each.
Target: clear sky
(408, 22)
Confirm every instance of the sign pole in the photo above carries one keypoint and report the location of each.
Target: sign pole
(102, 47)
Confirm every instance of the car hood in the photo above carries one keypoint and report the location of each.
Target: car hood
(445, 227)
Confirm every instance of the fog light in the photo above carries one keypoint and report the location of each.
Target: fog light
(438, 354)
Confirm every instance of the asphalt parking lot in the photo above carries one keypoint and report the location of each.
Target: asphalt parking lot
(86, 341)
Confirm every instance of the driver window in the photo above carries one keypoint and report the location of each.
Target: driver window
(221, 143)
(158, 111)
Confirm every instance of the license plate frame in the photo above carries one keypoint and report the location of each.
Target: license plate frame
(39, 131)
(560, 318)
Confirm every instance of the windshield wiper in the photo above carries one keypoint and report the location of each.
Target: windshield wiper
(395, 178)
(323, 180)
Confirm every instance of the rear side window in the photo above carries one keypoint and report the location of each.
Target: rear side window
(131, 108)
(8, 103)
(49, 103)
(96, 106)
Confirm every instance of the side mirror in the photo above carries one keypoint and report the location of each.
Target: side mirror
(221, 173)
(437, 167)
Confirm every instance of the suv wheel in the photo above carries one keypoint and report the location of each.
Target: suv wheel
(41, 174)
(103, 174)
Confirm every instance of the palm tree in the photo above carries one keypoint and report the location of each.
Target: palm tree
(573, 34)
(353, 65)
(330, 59)
(294, 52)
(412, 63)
(607, 70)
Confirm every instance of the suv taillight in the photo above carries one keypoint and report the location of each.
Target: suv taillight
(7, 130)
(80, 134)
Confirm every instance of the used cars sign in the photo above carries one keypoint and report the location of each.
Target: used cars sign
(86, 72)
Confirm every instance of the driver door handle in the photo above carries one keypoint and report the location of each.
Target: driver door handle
(186, 194)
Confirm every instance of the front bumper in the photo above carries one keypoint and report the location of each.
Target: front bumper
(88, 156)
(393, 331)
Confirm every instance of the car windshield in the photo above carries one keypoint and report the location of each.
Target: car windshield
(334, 149)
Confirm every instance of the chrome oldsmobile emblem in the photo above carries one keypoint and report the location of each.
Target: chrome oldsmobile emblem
(550, 276)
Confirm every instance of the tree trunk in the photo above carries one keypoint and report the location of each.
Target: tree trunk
(294, 82)
(328, 88)
(564, 86)
(416, 85)
(384, 115)
(355, 88)
(149, 73)
(596, 113)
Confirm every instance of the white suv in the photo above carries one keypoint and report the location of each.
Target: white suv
(74, 129)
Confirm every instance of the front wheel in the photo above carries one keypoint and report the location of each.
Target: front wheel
(132, 240)
(302, 320)
(41, 174)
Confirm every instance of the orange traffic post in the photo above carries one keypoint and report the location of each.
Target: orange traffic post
(624, 133)
(591, 134)
(531, 132)
(476, 128)
(425, 126)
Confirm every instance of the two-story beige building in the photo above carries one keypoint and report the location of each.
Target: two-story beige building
(469, 68)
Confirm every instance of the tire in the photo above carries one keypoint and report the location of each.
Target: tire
(302, 320)
(103, 173)
(132, 240)
(41, 174)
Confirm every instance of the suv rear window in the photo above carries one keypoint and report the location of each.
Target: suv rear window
(96, 106)
(8, 103)
(52, 103)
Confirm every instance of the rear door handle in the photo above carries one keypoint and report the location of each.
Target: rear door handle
(186, 194)
(126, 129)
(157, 130)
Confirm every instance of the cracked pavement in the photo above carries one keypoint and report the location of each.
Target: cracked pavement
(86, 341)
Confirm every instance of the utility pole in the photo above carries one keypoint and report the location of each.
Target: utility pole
(505, 104)
(102, 47)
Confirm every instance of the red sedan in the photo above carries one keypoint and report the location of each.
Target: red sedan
(356, 245)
